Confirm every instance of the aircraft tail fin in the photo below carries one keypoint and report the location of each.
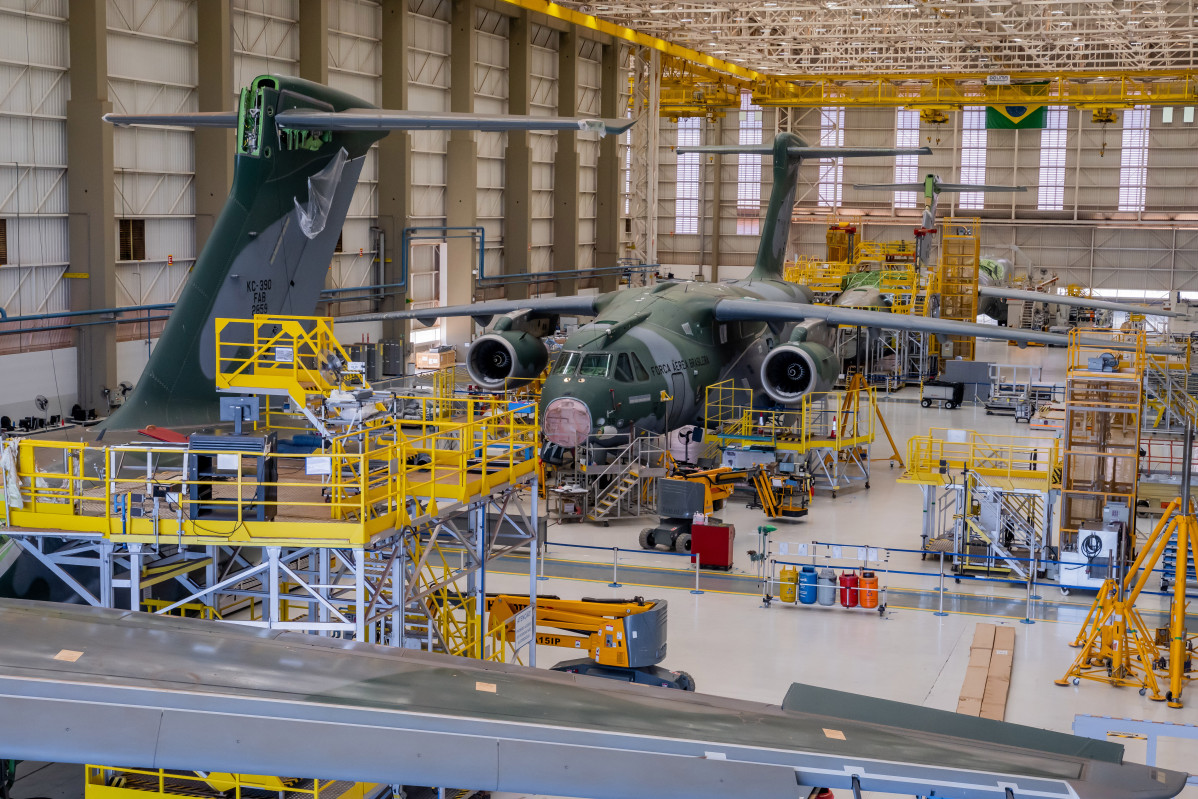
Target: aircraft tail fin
(789, 151)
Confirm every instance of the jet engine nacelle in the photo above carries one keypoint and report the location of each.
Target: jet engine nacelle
(507, 359)
(791, 371)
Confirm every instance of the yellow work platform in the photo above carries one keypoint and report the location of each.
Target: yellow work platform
(1010, 462)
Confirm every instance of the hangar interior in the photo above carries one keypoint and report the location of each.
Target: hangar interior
(400, 494)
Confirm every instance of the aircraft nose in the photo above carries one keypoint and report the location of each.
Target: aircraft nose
(566, 422)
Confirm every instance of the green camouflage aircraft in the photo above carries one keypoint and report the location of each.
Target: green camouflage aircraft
(643, 364)
(300, 150)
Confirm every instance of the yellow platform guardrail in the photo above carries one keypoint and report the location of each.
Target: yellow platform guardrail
(104, 782)
(361, 484)
(932, 459)
(836, 420)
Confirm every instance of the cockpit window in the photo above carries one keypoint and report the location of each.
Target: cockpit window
(595, 365)
(623, 368)
(641, 374)
(567, 363)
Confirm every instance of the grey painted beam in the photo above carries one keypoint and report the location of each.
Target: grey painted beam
(314, 40)
(395, 161)
(91, 196)
(461, 192)
(517, 159)
(565, 167)
(609, 205)
(214, 147)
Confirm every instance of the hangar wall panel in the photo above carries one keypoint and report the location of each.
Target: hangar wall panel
(355, 65)
(34, 88)
(152, 68)
(265, 39)
(590, 82)
(542, 102)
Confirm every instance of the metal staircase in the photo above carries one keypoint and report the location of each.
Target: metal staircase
(1005, 522)
(626, 481)
(1169, 566)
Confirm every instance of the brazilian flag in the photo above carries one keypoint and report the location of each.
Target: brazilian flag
(1015, 117)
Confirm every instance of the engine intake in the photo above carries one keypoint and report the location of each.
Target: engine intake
(499, 361)
(791, 371)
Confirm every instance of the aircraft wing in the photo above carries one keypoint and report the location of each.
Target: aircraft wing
(807, 151)
(942, 187)
(781, 312)
(376, 119)
(483, 312)
(1079, 302)
(93, 685)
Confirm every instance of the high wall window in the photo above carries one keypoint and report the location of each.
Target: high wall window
(626, 145)
(131, 240)
(973, 155)
(831, 170)
(1052, 159)
(1133, 163)
(3, 241)
(687, 182)
(906, 167)
(748, 170)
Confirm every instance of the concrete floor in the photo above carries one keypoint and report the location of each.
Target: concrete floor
(734, 646)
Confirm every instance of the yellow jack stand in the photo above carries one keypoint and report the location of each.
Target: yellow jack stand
(1116, 646)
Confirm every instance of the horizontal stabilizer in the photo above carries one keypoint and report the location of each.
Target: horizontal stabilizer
(374, 119)
(583, 306)
(940, 188)
(199, 119)
(783, 312)
(807, 152)
(1077, 302)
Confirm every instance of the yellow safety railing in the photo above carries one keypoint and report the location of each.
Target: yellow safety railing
(835, 420)
(932, 458)
(363, 483)
(1097, 343)
(105, 782)
(297, 355)
(191, 609)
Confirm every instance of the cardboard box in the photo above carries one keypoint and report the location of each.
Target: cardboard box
(436, 360)
(970, 707)
(975, 683)
(1004, 638)
(997, 689)
(1001, 662)
(983, 637)
(979, 658)
(995, 712)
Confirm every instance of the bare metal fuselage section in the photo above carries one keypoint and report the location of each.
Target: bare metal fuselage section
(104, 686)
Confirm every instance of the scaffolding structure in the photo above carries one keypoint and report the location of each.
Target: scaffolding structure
(957, 278)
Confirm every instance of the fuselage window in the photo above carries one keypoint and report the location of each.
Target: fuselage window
(623, 368)
(723, 334)
(641, 374)
(594, 365)
(567, 363)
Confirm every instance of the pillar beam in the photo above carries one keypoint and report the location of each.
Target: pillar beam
(92, 201)
(314, 40)
(214, 147)
(566, 166)
(517, 159)
(609, 204)
(461, 191)
(394, 164)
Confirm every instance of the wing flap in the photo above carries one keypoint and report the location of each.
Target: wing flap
(583, 306)
(372, 119)
(1079, 302)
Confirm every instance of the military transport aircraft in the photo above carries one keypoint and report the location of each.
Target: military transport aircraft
(643, 365)
(300, 149)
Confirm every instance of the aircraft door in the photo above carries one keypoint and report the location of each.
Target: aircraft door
(681, 402)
